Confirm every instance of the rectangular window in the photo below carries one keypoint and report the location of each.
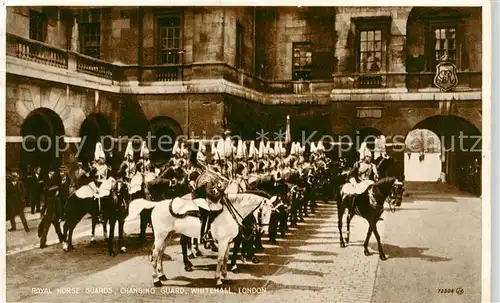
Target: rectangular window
(302, 61)
(38, 26)
(445, 43)
(169, 38)
(370, 51)
(240, 46)
(91, 39)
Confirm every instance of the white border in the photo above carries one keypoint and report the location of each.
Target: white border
(486, 95)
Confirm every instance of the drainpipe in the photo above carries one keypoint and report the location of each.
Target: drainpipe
(253, 42)
(140, 17)
(223, 34)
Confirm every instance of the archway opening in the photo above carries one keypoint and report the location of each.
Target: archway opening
(423, 161)
(92, 130)
(43, 140)
(460, 149)
(165, 131)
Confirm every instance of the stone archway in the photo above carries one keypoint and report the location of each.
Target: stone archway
(92, 130)
(460, 145)
(164, 131)
(43, 140)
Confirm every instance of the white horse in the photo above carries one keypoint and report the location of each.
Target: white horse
(179, 215)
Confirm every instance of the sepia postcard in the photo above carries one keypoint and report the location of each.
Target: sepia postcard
(234, 152)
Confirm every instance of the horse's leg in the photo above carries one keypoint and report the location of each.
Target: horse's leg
(155, 255)
(144, 225)
(196, 248)
(340, 216)
(161, 275)
(105, 228)
(350, 215)
(221, 257)
(224, 265)
(188, 266)
(189, 244)
(236, 247)
(121, 222)
(112, 222)
(94, 224)
(368, 235)
(380, 248)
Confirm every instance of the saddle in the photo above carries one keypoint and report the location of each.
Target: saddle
(350, 189)
(104, 190)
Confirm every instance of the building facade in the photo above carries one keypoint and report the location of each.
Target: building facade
(124, 71)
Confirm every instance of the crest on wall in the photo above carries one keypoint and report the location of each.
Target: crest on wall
(446, 74)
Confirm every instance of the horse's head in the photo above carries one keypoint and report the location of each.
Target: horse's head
(265, 211)
(390, 188)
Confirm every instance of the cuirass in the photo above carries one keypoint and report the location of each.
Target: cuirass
(365, 170)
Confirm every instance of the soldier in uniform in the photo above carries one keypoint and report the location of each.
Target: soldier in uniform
(49, 211)
(98, 175)
(209, 186)
(64, 191)
(362, 170)
(144, 167)
(15, 201)
(127, 167)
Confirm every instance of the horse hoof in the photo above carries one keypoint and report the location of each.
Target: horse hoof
(191, 256)
(162, 278)
(367, 253)
(342, 244)
(234, 269)
(65, 246)
(188, 268)
(383, 257)
(123, 249)
(158, 283)
(199, 254)
(215, 249)
(112, 254)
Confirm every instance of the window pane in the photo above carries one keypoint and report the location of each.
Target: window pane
(436, 33)
(370, 36)
(363, 46)
(378, 35)
(363, 36)
(370, 46)
(378, 46)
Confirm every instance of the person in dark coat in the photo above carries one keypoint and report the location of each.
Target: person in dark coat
(49, 211)
(15, 201)
(64, 191)
(35, 188)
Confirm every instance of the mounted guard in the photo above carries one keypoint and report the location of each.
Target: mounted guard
(100, 185)
(128, 167)
(363, 174)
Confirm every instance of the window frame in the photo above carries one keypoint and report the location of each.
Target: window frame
(34, 14)
(383, 24)
(83, 27)
(303, 68)
(430, 41)
(158, 55)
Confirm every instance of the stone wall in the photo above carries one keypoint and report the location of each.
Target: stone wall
(287, 25)
(344, 49)
(243, 15)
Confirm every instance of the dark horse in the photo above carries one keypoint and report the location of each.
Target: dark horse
(390, 167)
(369, 205)
(113, 208)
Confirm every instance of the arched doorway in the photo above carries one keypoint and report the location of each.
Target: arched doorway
(423, 156)
(165, 131)
(43, 140)
(92, 130)
(460, 144)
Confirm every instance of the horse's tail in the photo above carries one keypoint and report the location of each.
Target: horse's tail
(136, 206)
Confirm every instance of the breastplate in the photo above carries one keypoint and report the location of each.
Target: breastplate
(365, 171)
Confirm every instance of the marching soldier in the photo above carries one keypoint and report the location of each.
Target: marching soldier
(127, 167)
(50, 213)
(15, 201)
(98, 175)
